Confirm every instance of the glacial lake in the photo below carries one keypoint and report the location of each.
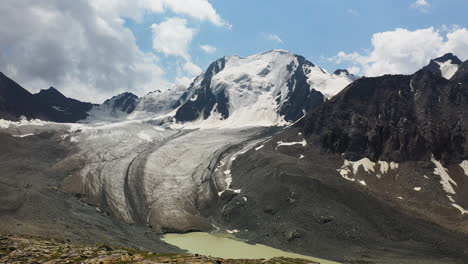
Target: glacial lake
(228, 247)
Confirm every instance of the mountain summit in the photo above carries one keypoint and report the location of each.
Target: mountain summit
(266, 89)
(445, 66)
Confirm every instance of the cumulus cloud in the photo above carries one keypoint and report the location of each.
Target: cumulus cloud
(275, 38)
(136, 9)
(421, 5)
(83, 48)
(208, 49)
(173, 37)
(192, 69)
(403, 51)
(69, 45)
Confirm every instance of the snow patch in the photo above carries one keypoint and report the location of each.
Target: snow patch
(25, 135)
(328, 84)
(57, 108)
(448, 69)
(281, 143)
(461, 209)
(368, 166)
(445, 178)
(418, 189)
(464, 166)
(448, 183)
(259, 147)
(33, 122)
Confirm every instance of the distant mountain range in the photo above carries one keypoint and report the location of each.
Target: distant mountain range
(397, 117)
(50, 104)
(267, 89)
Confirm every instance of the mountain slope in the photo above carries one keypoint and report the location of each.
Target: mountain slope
(14, 99)
(445, 66)
(395, 118)
(115, 108)
(159, 103)
(50, 104)
(382, 165)
(265, 89)
(401, 135)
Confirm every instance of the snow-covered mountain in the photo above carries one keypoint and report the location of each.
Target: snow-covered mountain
(158, 103)
(268, 89)
(271, 88)
(445, 66)
(115, 108)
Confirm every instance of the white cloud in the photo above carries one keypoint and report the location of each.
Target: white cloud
(74, 47)
(403, 51)
(354, 70)
(422, 6)
(83, 47)
(274, 37)
(136, 9)
(173, 37)
(208, 49)
(192, 69)
(353, 12)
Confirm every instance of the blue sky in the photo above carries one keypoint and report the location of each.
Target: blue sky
(94, 49)
(316, 29)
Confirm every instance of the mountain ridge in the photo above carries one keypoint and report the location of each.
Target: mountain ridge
(395, 117)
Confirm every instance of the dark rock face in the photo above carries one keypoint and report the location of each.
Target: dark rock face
(303, 205)
(461, 76)
(205, 98)
(50, 104)
(434, 66)
(341, 71)
(300, 97)
(56, 107)
(125, 102)
(14, 99)
(395, 118)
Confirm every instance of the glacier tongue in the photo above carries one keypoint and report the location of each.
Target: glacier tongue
(161, 178)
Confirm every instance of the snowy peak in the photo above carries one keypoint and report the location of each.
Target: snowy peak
(125, 102)
(449, 57)
(115, 108)
(266, 89)
(445, 66)
(158, 103)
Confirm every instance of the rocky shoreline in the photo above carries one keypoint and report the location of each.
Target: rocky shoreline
(18, 250)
